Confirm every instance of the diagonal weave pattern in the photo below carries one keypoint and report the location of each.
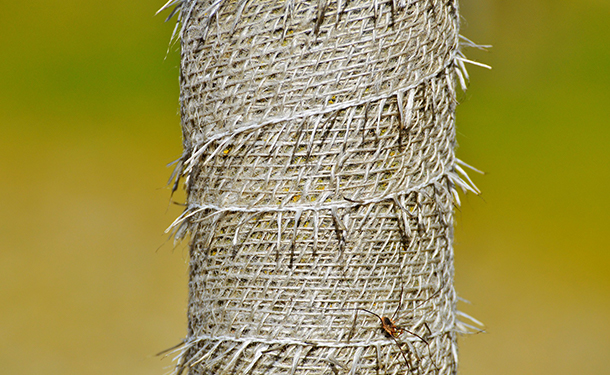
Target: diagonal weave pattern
(319, 162)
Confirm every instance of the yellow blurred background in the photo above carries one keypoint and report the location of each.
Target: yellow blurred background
(88, 112)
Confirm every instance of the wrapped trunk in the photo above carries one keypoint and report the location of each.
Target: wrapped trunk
(321, 178)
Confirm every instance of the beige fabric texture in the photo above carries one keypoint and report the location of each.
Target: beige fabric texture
(321, 180)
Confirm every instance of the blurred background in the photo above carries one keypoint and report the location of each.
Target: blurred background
(89, 283)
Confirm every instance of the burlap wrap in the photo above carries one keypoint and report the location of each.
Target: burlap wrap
(321, 177)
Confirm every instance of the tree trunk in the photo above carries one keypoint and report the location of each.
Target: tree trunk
(321, 177)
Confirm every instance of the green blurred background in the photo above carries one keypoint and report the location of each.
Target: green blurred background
(88, 109)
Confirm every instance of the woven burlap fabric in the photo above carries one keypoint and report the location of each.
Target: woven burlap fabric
(321, 178)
